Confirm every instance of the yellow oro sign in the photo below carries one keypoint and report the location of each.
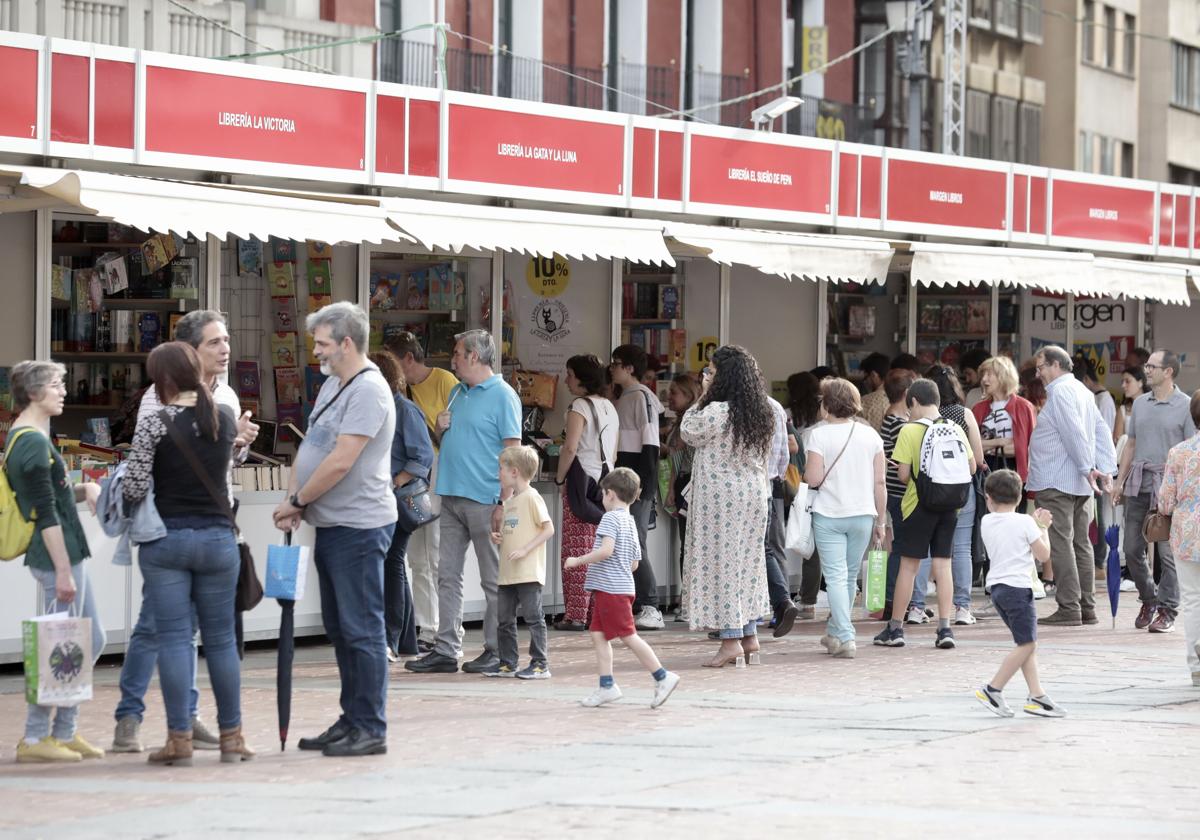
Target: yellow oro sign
(701, 353)
(548, 276)
(814, 49)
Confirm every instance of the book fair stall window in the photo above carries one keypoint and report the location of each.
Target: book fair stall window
(864, 318)
(952, 321)
(116, 293)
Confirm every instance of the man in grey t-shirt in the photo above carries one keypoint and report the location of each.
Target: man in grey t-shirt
(341, 485)
(1160, 419)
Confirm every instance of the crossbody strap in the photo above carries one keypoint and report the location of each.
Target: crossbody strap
(312, 421)
(839, 456)
(181, 443)
(599, 432)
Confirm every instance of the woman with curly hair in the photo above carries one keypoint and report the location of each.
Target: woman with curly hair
(730, 427)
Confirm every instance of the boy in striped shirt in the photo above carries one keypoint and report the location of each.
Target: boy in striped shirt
(614, 556)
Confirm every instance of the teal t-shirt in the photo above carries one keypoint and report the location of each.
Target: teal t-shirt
(481, 419)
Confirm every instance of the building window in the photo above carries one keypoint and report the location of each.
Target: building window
(1183, 175)
(1185, 71)
(1126, 160)
(1031, 20)
(1089, 30)
(1086, 162)
(1110, 37)
(1008, 16)
(981, 13)
(978, 119)
(1130, 45)
(1004, 129)
(1106, 155)
(1029, 134)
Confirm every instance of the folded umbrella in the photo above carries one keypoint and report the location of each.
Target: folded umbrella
(283, 669)
(1112, 536)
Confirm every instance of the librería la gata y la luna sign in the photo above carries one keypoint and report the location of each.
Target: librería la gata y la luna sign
(518, 150)
(261, 122)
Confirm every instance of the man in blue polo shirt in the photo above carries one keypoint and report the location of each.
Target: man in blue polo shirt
(482, 417)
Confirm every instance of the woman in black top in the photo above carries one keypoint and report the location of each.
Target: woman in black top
(196, 564)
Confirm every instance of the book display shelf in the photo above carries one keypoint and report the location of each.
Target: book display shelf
(116, 293)
(863, 319)
(652, 301)
(951, 321)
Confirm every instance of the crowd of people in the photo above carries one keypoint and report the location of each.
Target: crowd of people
(995, 475)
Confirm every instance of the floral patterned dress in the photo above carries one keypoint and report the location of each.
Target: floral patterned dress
(1180, 493)
(725, 577)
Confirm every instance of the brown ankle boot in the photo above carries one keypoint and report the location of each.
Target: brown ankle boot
(178, 750)
(233, 746)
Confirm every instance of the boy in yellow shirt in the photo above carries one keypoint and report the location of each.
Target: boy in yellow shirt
(525, 528)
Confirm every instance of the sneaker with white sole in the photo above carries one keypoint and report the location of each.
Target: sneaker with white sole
(649, 618)
(533, 671)
(916, 615)
(962, 615)
(845, 650)
(993, 701)
(1044, 707)
(945, 639)
(663, 689)
(830, 643)
(501, 670)
(890, 637)
(601, 696)
(127, 738)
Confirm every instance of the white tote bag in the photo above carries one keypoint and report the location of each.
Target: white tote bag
(799, 534)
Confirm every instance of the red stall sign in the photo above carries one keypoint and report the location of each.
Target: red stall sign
(1102, 212)
(926, 193)
(728, 172)
(19, 93)
(491, 146)
(232, 117)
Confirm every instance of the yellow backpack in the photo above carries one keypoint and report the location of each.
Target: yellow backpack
(15, 531)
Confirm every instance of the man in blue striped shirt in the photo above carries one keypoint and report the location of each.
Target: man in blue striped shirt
(1071, 458)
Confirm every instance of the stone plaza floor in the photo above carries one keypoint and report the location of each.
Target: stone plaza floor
(891, 744)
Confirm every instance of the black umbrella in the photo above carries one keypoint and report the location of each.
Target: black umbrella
(283, 669)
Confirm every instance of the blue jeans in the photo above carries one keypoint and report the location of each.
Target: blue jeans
(777, 582)
(141, 656)
(194, 568)
(400, 621)
(842, 542)
(37, 718)
(747, 632)
(960, 561)
(350, 568)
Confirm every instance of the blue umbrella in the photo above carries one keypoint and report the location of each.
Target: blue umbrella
(1112, 536)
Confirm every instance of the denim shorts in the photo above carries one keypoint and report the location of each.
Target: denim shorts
(1015, 606)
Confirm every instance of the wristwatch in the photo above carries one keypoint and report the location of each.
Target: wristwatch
(294, 501)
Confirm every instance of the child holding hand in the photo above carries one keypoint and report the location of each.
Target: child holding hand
(610, 564)
(1013, 540)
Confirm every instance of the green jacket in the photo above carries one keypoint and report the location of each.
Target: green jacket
(38, 476)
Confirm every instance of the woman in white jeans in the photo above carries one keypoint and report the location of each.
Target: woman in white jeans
(845, 462)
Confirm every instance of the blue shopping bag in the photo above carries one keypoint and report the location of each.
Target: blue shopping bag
(287, 571)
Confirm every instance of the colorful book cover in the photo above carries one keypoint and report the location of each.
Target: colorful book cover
(678, 347)
(310, 348)
(382, 297)
(121, 321)
(319, 250)
(283, 314)
(185, 283)
(460, 292)
(318, 302)
(417, 297)
(282, 250)
(157, 251)
(253, 406)
(441, 288)
(249, 256)
(670, 301)
(320, 281)
(281, 279)
(116, 275)
(288, 387)
(313, 380)
(249, 382)
(979, 316)
(149, 331)
(60, 281)
(954, 317)
(860, 321)
(283, 349)
(173, 320)
(101, 433)
(929, 318)
(290, 413)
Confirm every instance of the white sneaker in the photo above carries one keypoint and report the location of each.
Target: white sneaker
(916, 615)
(1127, 585)
(604, 695)
(830, 643)
(663, 689)
(649, 619)
(845, 650)
(962, 615)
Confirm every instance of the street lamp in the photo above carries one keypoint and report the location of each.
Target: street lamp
(917, 24)
(763, 117)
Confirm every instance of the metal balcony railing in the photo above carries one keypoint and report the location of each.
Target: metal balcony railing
(833, 121)
(85, 20)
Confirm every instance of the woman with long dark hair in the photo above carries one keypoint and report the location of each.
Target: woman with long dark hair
(1133, 385)
(725, 574)
(804, 400)
(589, 445)
(195, 566)
(412, 460)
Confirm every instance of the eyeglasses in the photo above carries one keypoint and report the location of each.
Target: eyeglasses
(1149, 366)
(1042, 365)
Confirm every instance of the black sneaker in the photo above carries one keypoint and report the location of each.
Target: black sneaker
(357, 743)
(486, 661)
(334, 733)
(890, 637)
(945, 639)
(785, 617)
(432, 663)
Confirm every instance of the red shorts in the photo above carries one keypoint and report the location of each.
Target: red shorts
(612, 615)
